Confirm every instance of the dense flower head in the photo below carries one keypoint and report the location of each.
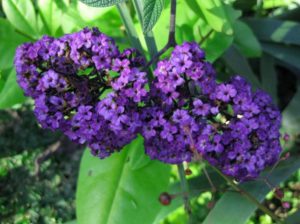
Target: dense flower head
(170, 125)
(84, 86)
(189, 113)
(243, 137)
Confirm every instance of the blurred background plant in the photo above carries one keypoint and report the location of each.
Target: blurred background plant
(38, 169)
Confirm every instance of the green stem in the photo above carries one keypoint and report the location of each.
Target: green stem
(184, 188)
(248, 196)
(129, 26)
(149, 38)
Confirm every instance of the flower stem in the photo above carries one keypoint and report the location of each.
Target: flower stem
(248, 196)
(129, 26)
(184, 188)
(171, 39)
(149, 38)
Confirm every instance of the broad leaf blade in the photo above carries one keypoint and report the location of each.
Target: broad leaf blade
(238, 208)
(288, 54)
(21, 15)
(51, 15)
(269, 76)
(101, 3)
(239, 64)
(274, 30)
(215, 14)
(109, 191)
(245, 40)
(9, 40)
(151, 13)
(11, 93)
(291, 115)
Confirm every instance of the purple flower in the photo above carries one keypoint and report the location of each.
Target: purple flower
(225, 92)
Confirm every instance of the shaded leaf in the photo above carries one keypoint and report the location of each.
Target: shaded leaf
(293, 219)
(109, 191)
(239, 64)
(151, 13)
(231, 202)
(101, 3)
(269, 76)
(245, 40)
(291, 115)
(274, 30)
(288, 54)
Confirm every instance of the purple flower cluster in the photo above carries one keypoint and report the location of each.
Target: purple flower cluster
(227, 124)
(84, 86)
(169, 129)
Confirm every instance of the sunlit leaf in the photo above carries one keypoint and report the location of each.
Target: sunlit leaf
(101, 3)
(113, 190)
(11, 93)
(151, 13)
(22, 16)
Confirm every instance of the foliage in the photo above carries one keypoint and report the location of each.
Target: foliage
(260, 42)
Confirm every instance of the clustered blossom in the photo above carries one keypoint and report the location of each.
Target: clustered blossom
(84, 86)
(227, 124)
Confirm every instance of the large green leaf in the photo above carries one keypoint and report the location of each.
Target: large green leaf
(215, 15)
(117, 190)
(245, 40)
(9, 40)
(239, 64)
(238, 208)
(291, 115)
(11, 93)
(151, 13)
(51, 15)
(275, 30)
(269, 76)
(216, 44)
(22, 16)
(101, 3)
(288, 54)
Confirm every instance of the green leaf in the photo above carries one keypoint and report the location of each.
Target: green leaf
(245, 40)
(110, 191)
(9, 40)
(269, 76)
(288, 54)
(101, 3)
(51, 15)
(215, 15)
(239, 64)
(151, 13)
(22, 16)
(216, 44)
(274, 30)
(11, 93)
(294, 218)
(238, 208)
(291, 115)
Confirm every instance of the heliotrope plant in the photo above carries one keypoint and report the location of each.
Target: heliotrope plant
(84, 86)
